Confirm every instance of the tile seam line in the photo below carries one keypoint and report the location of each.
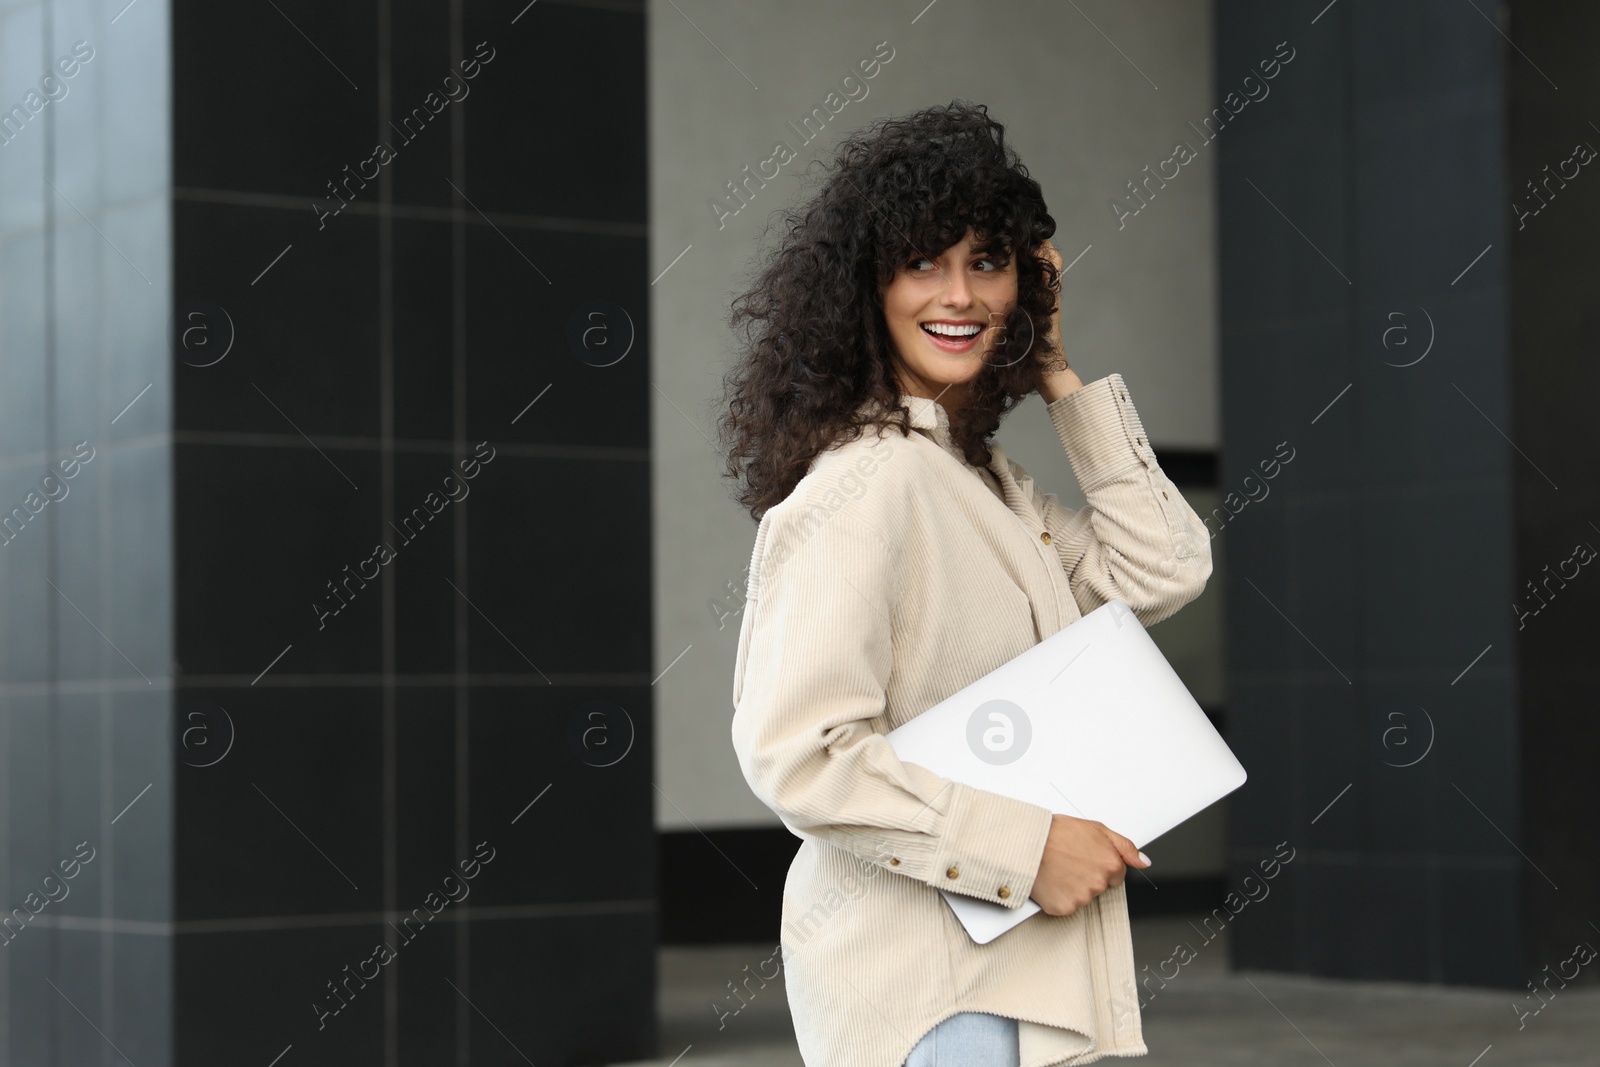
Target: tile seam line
(263, 924)
(415, 212)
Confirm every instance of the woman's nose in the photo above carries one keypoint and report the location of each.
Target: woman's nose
(957, 291)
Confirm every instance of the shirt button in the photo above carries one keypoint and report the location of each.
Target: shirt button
(894, 861)
(1045, 537)
(952, 873)
(1003, 892)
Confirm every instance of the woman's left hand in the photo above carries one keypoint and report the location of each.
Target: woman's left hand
(1058, 379)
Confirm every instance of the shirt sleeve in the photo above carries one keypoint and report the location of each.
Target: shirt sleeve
(1136, 539)
(816, 649)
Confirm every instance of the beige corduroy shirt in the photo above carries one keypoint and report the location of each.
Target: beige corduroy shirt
(892, 576)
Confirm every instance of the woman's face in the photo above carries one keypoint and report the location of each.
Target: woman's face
(942, 313)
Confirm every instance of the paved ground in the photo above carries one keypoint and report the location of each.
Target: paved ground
(1207, 1017)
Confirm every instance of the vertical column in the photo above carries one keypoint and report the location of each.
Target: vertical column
(282, 832)
(85, 534)
(1373, 682)
(414, 535)
(1554, 216)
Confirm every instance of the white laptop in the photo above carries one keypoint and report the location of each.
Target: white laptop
(1091, 722)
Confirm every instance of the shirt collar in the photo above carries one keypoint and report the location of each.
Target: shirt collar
(928, 415)
(931, 419)
(925, 415)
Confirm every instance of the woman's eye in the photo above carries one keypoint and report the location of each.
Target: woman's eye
(917, 261)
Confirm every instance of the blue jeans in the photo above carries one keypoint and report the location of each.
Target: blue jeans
(968, 1039)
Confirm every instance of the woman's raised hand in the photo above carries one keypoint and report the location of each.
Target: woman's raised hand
(1058, 379)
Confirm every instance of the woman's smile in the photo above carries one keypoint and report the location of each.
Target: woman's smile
(953, 335)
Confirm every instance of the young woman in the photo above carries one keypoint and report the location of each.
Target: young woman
(900, 555)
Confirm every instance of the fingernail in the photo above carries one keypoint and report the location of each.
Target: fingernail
(1145, 858)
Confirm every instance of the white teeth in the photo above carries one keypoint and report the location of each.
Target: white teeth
(943, 329)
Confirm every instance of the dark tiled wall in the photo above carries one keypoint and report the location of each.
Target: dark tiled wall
(1555, 379)
(314, 378)
(392, 717)
(1373, 667)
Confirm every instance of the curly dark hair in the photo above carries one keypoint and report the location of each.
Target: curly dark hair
(812, 339)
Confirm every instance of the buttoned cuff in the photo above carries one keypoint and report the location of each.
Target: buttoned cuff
(1101, 431)
(990, 846)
